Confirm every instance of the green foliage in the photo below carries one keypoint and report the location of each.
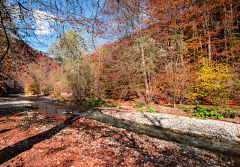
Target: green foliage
(61, 99)
(70, 52)
(133, 105)
(229, 113)
(141, 110)
(186, 108)
(216, 112)
(142, 60)
(71, 45)
(107, 104)
(95, 102)
(137, 105)
(151, 111)
(114, 105)
(219, 116)
(205, 112)
(99, 103)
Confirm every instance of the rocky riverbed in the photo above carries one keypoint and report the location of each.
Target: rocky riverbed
(212, 128)
(33, 138)
(10, 105)
(51, 141)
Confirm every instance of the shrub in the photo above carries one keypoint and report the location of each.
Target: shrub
(151, 111)
(114, 105)
(186, 108)
(205, 112)
(61, 99)
(133, 105)
(141, 110)
(138, 105)
(95, 102)
(107, 104)
(211, 82)
(216, 112)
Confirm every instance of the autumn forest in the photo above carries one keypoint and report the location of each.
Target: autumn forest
(160, 51)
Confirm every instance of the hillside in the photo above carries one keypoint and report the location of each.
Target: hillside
(15, 73)
(180, 59)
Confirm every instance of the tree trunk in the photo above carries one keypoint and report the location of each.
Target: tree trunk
(209, 48)
(145, 75)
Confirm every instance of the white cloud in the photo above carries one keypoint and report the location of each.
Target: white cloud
(13, 10)
(43, 21)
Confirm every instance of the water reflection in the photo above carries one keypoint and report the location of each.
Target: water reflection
(62, 112)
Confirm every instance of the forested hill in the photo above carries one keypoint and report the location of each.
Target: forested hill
(167, 51)
(16, 68)
(189, 51)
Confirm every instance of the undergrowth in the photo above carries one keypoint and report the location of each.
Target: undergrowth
(212, 111)
(99, 102)
(149, 110)
(91, 102)
(140, 105)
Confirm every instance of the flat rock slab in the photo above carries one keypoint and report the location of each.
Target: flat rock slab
(9, 106)
(210, 128)
(6, 102)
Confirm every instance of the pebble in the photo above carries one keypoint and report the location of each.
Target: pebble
(213, 128)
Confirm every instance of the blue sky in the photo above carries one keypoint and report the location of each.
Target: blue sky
(47, 36)
(43, 21)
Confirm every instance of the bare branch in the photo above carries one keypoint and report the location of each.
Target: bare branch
(5, 32)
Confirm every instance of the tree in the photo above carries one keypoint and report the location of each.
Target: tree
(206, 29)
(174, 79)
(130, 18)
(124, 17)
(21, 22)
(211, 82)
(143, 60)
(41, 76)
(23, 19)
(70, 51)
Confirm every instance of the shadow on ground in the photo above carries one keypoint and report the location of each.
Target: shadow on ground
(26, 144)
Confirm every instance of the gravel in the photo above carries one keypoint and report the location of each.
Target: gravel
(6, 102)
(210, 128)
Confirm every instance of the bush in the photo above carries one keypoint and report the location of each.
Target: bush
(229, 113)
(138, 105)
(107, 104)
(187, 109)
(141, 110)
(213, 111)
(133, 105)
(205, 112)
(114, 105)
(95, 102)
(151, 111)
(61, 99)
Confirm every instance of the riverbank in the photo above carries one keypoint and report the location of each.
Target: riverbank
(209, 128)
(35, 138)
(47, 141)
(11, 105)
